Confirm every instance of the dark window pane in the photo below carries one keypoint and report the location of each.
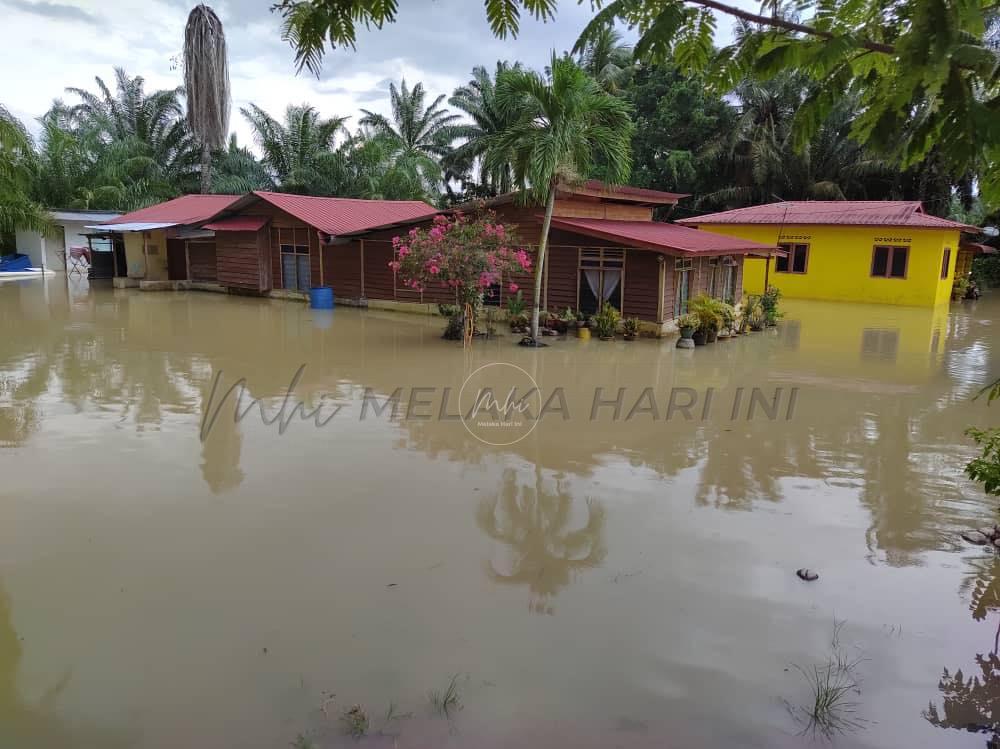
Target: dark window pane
(898, 269)
(799, 261)
(880, 261)
(945, 261)
(303, 271)
(491, 297)
(781, 263)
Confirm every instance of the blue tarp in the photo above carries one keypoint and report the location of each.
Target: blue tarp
(10, 263)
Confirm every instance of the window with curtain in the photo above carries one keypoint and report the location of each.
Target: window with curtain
(295, 267)
(600, 281)
(889, 262)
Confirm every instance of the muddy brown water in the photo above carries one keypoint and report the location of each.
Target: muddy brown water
(603, 582)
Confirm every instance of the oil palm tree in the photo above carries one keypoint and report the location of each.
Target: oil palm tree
(17, 160)
(206, 84)
(567, 125)
(299, 153)
(607, 59)
(478, 100)
(416, 132)
(238, 171)
(142, 149)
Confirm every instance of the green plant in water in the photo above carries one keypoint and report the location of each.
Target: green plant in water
(708, 311)
(450, 700)
(301, 742)
(769, 303)
(447, 310)
(834, 688)
(688, 322)
(355, 721)
(515, 305)
(753, 313)
(630, 326)
(606, 321)
(986, 468)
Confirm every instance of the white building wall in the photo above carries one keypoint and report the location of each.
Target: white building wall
(30, 243)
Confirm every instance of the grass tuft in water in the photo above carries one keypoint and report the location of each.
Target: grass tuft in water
(301, 742)
(834, 688)
(355, 721)
(449, 701)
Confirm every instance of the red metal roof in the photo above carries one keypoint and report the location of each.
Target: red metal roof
(185, 210)
(340, 216)
(661, 237)
(237, 223)
(908, 213)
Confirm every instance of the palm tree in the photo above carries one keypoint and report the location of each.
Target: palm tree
(142, 150)
(371, 167)
(607, 59)
(299, 153)
(206, 83)
(238, 171)
(17, 159)
(567, 125)
(478, 99)
(416, 133)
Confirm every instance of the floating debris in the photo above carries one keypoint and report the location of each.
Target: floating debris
(807, 575)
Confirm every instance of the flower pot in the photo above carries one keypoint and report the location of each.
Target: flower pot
(629, 336)
(711, 336)
(583, 334)
(700, 337)
(607, 338)
(687, 333)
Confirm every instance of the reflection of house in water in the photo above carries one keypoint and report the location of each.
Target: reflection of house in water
(546, 541)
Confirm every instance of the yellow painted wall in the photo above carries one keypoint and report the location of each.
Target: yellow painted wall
(839, 264)
(150, 265)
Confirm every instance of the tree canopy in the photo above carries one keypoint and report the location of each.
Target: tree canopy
(925, 73)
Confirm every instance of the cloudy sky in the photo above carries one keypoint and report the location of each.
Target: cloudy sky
(51, 44)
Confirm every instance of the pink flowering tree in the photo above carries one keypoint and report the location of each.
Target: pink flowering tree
(463, 253)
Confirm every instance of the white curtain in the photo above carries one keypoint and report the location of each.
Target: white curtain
(611, 280)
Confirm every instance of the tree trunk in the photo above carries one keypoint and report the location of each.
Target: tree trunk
(206, 168)
(543, 244)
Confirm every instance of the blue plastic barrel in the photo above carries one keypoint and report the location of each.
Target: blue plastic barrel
(321, 297)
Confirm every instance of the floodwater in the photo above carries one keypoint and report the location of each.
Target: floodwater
(600, 582)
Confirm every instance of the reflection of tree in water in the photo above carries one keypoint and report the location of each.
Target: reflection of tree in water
(24, 725)
(972, 703)
(535, 524)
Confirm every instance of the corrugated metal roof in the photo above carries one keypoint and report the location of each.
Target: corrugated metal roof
(654, 235)
(340, 216)
(978, 248)
(908, 213)
(95, 217)
(237, 223)
(187, 209)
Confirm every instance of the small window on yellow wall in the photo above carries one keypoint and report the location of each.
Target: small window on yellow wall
(889, 262)
(795, 262)
(945, 262)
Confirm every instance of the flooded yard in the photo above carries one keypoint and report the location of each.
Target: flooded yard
(610, 579)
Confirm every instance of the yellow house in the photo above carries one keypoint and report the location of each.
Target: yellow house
(888, 252)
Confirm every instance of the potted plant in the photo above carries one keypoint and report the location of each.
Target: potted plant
(687, 325)
(606, 322)
(630, 328)
(754, 314)
(516, 317)
(728, 313)
(960, 288)
(707, 310)
(569, 318)
(583, 326)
